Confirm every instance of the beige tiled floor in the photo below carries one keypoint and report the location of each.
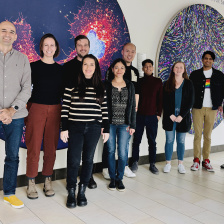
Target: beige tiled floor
(195, 197)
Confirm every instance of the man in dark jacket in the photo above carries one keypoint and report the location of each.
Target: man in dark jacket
(72, 68)
(208, 83)
(148, 114)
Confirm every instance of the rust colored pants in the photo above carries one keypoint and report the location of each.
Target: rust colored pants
(42, 123)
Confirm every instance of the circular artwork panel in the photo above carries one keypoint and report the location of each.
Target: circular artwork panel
(192, 31)
(101, 21)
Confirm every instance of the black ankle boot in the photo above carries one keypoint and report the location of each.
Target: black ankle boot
(81, 198)
(71, 202)
(92, 183)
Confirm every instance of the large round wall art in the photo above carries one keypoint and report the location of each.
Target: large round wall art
(192, 31)
(102, 21)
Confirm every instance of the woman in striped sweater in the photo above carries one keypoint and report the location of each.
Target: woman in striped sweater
(84, 117)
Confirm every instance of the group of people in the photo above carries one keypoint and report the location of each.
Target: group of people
(121, 106)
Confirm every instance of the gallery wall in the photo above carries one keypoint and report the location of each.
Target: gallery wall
(146, 21)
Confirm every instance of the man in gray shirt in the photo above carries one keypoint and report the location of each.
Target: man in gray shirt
(15, 90)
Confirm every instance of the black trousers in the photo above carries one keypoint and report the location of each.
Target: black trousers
(83, 139)
(151, 125)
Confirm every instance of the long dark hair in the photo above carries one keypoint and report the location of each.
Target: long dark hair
(96, 81)
(171, 83)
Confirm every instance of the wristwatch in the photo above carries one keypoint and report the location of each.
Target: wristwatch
(16, 108)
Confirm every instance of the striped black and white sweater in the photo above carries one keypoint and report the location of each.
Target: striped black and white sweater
(88, 110)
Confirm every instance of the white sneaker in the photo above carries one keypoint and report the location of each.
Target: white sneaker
(128, 172)
(106, 174)
(167, 168)
(181, 169)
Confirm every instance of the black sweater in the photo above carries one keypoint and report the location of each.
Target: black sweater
(47, 83)
(186, 104)
(130, 114)
(216, 87)
(71, 70)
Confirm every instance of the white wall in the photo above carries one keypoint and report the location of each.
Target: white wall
(146, 20)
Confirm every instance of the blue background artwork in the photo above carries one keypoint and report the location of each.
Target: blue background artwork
(192, 31)
(102, 21)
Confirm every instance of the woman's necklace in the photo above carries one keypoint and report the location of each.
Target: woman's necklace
(119, 84)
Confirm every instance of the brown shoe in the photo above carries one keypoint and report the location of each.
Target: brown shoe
(48, 189)
(31, 189)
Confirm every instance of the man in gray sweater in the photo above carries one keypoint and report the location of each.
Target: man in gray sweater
(15, 86)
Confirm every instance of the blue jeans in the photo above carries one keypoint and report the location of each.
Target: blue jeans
(180, 138)
(105, 154)
(122, 134)
(151, 124)
(13, 133)
(83, 139)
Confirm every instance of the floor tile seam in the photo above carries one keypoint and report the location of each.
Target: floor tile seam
(173, 208)
(108, 212)
(125, 203)
(206, 211)
(67, 209)
(157, 203)
(186, 181)
(123, 200)
(178, 187)
(168, 183)
(212, 211)
(177, 212)
(206, 197)
(36, 215)
(207, 187)
(187, 174)
(201, 184)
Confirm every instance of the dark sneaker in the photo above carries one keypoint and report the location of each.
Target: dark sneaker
(206, 164)
(92, 183)
(120, 186)
(134, 167)
(196, 164)
(112, 185)
(222, 166)
(153, 169)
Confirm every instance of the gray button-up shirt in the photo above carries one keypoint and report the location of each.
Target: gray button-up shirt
(15, 82)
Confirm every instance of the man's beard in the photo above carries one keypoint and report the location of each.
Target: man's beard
(81, 56)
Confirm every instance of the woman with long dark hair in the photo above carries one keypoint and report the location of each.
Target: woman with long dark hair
(122, 118)
(43, 121)
(178, 99)
(84, 117)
